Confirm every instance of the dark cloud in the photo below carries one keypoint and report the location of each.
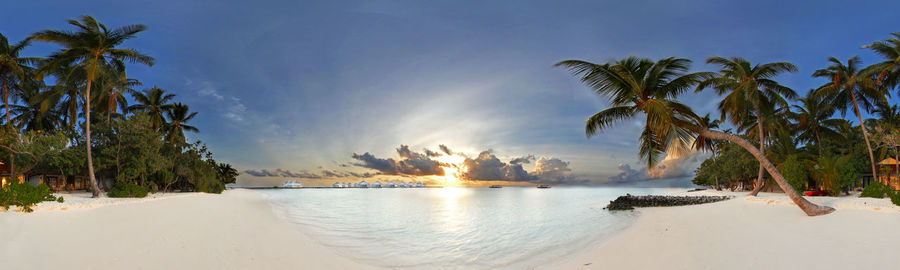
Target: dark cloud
(445, 149)
(282, 173)
(410, 163)
(432, 153)
(522, 160)
(488, 167)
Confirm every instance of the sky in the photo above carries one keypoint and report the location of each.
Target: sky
(324, 90)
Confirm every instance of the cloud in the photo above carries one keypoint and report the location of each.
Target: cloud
(488, 167)
(676, 164)
(282, 173)
(445, 149)
(522, 160)
(409, 163)
(432, 153)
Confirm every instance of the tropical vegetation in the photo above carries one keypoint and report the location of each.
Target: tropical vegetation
(797, 139)
(67, 115)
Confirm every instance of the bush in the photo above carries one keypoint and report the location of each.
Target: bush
(210, 185)
(127, 190)
(60, 199)
(876, 190)
(24, 195)
(895, 197)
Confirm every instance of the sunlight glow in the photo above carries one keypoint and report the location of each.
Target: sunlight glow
(452, 170)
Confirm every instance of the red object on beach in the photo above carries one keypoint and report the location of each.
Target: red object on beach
(816, 193)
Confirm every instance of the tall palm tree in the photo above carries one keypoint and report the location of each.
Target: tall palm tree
(850, 86)
(813, 119)
(889, 70)
(750, 89)
(640, 86)
(38, 111)
(178, 117)
(155, 102)
(13, 75)
(91, 48)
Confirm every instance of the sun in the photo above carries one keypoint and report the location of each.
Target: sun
(452, 170)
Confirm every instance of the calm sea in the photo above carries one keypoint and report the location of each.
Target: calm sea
(456, 228)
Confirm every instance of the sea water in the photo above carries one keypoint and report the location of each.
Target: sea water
(456, 227)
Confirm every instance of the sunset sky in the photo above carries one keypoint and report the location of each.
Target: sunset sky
(302, 89)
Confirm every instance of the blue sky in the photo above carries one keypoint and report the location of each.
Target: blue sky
(302, 85)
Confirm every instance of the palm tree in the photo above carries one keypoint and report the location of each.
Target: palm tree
(91, 48)
(889, 70)
(750, 89)
(155, 102)
(640, 86)
(13, 74)
(178, 117)
(113, 87)
(38, 111)
(851, 86)
(706, 144)
(813, 119)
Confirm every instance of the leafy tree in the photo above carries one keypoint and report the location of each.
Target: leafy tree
(154, 102)
(641, 86)
(92, 49)
(749, 89)
(888, 72)
(836, 174)
(851, 86)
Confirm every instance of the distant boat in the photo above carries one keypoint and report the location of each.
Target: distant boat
(291, 184)
(495, 186)
(543, 186)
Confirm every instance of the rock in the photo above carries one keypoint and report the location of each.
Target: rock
(629, 202)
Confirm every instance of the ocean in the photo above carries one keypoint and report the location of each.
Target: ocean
(456, 227)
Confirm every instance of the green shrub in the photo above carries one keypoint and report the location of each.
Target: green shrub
(876, 190)
(60, 199)
(126, 190)
(210, 185)
(24, 195)
(895, 197)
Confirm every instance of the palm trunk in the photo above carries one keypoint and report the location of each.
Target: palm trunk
(808, 207)
(762, 148)
(12, 161)
(865, 136)
(95, 189)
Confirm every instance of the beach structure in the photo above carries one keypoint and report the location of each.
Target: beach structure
(336, 185)
(345, 185)
(390, 184)
(420, 184)
(291, 184)
(887, 175)
(377, 184)
(403, 184)
(363, 184)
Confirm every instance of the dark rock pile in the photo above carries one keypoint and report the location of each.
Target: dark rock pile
(629, 202)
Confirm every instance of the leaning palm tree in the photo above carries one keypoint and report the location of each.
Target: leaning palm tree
(178, 117)
(889, 70)
(749, 88)
(155, 102)
(637, 86)
(89, 49)
(851, 87)
(813, 119)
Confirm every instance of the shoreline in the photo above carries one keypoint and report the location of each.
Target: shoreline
(234, 230)
(239, 230)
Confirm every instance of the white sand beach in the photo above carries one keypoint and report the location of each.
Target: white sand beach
(237, 230)
(765, 232)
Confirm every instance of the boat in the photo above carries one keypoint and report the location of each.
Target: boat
(543, 186)
(291, 184)
(495, 186)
